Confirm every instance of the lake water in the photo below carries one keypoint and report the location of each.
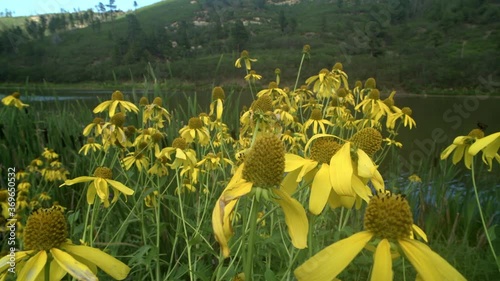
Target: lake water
(439, 118)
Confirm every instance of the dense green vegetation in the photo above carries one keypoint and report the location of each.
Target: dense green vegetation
(410, 45)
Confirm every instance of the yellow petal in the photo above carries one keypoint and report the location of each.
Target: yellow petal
(293, 162)
(238, 190)
(121, 187)
(382, 266)
(112, 266)
(77, 180)
(493, 140)
(309, 165)
(5, 260)
(429, 265)
(448, 151)
(289, 183)
(295, 218)
(458, 154)
(360, 188)
(112, 107)
(330, 261)
(221, 224)
(91, 193)
(56, 272)
(33, 267)
(101, 187)
(320, 190)
(102, 106)
(341, 171)
(419, 232)
(366, 168)
(72, 266)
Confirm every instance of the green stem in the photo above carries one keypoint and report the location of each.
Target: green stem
(158, 231)
(482, 217)
(183, 219)
(312, 220)
(47, 268)
(298, 72)
(252, 221)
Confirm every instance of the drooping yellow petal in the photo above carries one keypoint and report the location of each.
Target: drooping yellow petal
(341, 171)
(492, 141)
(295, 218)
(360, 188)
(5, 260)
(458, 154)
(448, 151)
(289, 183)
(366, 168)
(429, 265)
(309, 165)
(382, 266)
(102, 106)
(121, 187)
(33, 267)
(78, 180)
(221, 223)
(237, 191)
(56, 272)
(419, 232)
(72, 266)
(293, 162)
(320, 190)
(329, 262)
(101, 187)
(112, 107)
(91, 193)
(112, 266)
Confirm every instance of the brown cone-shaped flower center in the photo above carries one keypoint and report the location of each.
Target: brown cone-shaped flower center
(118, 119)
(316, 114)
(45, 229)
(306, 48)
(195, 123)
(323, 149)
(265, 162)
(388, 216)
(16, 95)
(143, 101)
(103, 172)
(406, 111)
(97, 120)
(117, 95)
(179, 143)
(338, 66)
(374, 94)
(157, 137)
(367, 139)
(90, 140)
(476, 133)
(158, 101)
(218, 93)
(244, 54)
(273, 85)
(264, 103)
(342, 92)
(370, 83)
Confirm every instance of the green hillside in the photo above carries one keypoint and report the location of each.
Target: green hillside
(411, 45)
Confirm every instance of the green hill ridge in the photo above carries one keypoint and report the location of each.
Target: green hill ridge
(410, 45)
